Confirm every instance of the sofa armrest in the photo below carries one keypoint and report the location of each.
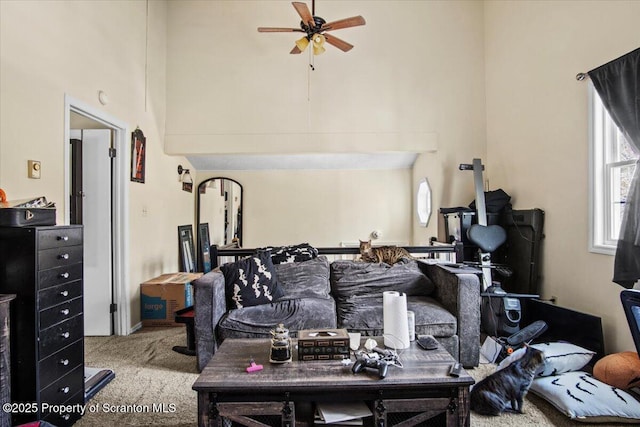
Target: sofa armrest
(459, 292)
(210, 305)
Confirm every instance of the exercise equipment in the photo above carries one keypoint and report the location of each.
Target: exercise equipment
(500, 311)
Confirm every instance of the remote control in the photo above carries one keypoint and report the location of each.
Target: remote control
(427, 342)
(456, 370)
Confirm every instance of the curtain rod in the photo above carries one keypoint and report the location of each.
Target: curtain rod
(582, 76)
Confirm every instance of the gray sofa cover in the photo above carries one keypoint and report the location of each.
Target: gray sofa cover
(347, 294)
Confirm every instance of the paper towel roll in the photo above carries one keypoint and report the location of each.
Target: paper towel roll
(396, 327)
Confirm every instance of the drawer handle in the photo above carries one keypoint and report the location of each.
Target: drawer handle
(64, 293)
(65, 238)
(64, 256)
(65, 390)
(65, 275)
(64, 362)
(65, 335)
(64, 311)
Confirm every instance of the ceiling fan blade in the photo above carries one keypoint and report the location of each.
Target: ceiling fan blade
(354, 21)
(340, 44)
(279, 30)
(295, 50)
(303, 11)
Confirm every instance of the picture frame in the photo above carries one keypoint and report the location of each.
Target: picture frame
(204, 244)
(186, 248)
(138, 153)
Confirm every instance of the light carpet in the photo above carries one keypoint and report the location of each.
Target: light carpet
(153, 385)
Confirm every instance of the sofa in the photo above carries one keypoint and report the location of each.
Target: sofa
(318, 294)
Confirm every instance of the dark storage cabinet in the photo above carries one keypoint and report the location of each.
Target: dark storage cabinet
(43, 267)
(5, 356)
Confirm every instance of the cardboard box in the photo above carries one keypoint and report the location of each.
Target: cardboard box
(162, 296)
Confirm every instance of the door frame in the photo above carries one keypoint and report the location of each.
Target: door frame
(120, 207)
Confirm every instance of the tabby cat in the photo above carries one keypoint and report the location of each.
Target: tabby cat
(495, 393)
(387, 254)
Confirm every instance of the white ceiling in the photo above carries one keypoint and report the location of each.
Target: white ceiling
(304, 161)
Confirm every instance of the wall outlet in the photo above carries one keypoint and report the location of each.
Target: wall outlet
(33, 169)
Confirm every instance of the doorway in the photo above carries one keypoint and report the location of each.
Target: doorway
(97, 215)
(90, 205)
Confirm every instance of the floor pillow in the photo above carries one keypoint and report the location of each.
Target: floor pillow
(559, 357)
(582, 397)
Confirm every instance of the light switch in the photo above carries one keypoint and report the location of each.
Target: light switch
(33, 167)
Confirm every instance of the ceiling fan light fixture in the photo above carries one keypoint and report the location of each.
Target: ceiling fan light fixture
(314, 27)
(318, 44)
(302, 43)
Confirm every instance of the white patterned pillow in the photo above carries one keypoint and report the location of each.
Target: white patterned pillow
(583, 398)
(559, 357)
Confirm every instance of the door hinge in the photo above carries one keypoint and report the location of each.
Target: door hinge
(113, 308)
(112, 152)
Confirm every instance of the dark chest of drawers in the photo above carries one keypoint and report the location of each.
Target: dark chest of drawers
(43, 267)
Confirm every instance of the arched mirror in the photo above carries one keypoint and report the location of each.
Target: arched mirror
(219, 217)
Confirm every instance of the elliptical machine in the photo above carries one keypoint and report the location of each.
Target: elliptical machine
(500, 311)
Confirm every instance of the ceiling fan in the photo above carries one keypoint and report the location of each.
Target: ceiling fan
(316, 30)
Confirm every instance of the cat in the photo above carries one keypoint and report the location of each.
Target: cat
(387, 254)
(493, 395)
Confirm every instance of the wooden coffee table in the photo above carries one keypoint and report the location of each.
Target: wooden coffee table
(421, 390)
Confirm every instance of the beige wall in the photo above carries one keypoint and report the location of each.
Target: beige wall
(49, 49)
(416, 81)
(413, 82)
(323, 208)
(537, 134)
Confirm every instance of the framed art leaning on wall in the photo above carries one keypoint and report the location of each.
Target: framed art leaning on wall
(185, 248)
(204, 254)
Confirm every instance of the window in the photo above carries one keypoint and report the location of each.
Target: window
(611, 169)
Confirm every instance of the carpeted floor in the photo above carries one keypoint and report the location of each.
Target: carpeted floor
(153, 385)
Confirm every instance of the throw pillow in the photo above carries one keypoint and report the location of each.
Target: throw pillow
(309, 279)
(620, 370)
(581, 397)
(354, 278)
(251, 281)
(559, 357)
(292, 253)
(562, 357)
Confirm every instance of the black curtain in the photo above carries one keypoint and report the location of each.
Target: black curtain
(618, 84)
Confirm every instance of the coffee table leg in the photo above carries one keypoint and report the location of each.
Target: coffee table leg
(379, 414)
(464, 411)
(458, 414)
(208, 415)
(288, 413)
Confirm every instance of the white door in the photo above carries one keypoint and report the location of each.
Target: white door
(96, 219)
